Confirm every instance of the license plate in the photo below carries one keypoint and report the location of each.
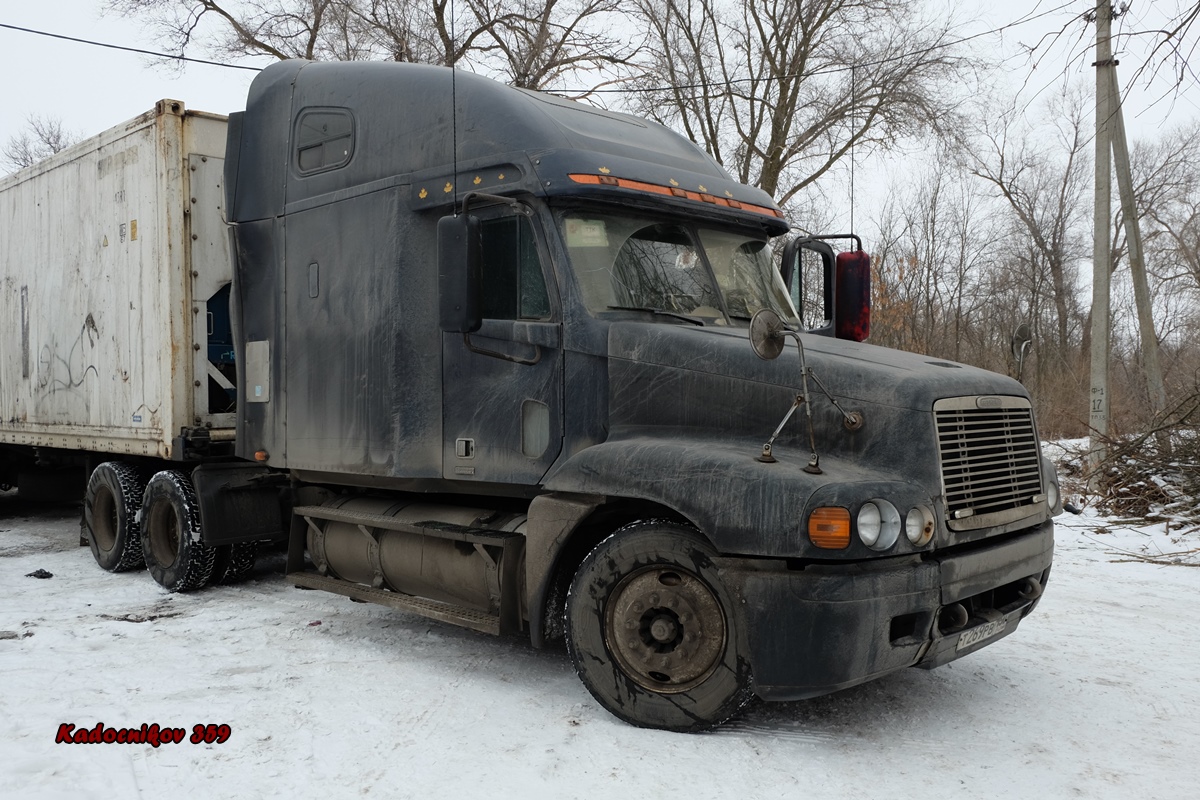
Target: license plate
(981, 633)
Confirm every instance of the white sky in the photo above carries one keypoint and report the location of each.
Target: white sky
(91, 89)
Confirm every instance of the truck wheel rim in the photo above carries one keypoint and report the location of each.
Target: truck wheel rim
(665, 629)
(164, 534)
(104, 520)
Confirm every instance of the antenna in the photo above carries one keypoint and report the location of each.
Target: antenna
(453, 113)
(853, 138)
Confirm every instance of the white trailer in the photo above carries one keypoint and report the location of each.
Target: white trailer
(114, 275)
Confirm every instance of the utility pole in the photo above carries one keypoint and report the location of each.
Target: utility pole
(1101, 257)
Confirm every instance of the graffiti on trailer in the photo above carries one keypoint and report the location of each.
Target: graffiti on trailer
(58, 372)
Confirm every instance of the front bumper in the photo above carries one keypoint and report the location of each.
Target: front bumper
(826, 627)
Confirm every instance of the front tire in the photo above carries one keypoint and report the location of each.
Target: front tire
(651, 633)
(175, 553)
(110, 509)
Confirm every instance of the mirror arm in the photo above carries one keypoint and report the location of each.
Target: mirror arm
(516, 205)
(767, 331)
(814, 461)
(766, 456)
(853, 420)
(833, 236)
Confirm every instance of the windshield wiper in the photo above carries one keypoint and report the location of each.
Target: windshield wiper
(744, 317)
(660, 312)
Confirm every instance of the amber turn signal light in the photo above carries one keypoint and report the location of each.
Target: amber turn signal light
(261, 455)
(829, 528)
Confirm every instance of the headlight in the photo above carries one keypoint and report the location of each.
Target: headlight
(1053, 491)
(919, 526)
(878, 524)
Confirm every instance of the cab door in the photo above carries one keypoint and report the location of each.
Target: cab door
(502, 411)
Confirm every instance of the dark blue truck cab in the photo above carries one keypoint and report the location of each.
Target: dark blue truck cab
(496, 365)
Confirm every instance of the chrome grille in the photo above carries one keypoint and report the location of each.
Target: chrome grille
(991, 464)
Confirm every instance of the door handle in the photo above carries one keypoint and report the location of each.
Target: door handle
(504, 356)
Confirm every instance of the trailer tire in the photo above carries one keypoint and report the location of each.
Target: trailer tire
(651, 633)
(110, 513)
(234, 562)
(175, 552)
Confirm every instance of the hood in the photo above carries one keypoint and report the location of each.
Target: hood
(852, 371)
(707, 385)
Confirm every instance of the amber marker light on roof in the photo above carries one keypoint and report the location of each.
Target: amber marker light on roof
(654, 188)
(829, 528)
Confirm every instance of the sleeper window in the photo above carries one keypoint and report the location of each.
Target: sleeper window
(324, 140)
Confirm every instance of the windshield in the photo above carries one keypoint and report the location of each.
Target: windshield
(703, 275)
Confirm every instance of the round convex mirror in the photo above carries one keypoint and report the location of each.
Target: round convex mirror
(766, 334)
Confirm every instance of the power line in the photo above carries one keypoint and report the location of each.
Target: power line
(635, 90)
(827, 70)
(130, 49)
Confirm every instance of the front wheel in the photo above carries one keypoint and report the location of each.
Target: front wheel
(651, 633)
(175, 553)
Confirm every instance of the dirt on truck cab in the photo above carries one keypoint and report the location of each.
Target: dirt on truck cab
(523, 365)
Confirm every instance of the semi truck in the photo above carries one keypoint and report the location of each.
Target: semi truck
(514, 363)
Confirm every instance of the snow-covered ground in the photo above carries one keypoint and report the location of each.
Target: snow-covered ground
(1096, 696)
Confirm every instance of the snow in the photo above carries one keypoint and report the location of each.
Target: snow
(1097, 695)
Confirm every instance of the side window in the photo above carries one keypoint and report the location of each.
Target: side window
(513, 284)
(324, 140)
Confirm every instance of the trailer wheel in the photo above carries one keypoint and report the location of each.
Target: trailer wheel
(651, 633)
(234, 562)
(110, 509)
(175, 553)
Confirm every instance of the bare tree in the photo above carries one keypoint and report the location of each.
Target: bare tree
(1042, 179)
(1175, 42)
(423, 31)
(42, 138)
(527, 43)
(1161, 38)
(1167, 178)
(534, 45)
(779, 91)
(349, 30)
(1039, 175)
(1166, 181)
(937, 243)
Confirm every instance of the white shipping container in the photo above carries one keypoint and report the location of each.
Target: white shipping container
(110, 253)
